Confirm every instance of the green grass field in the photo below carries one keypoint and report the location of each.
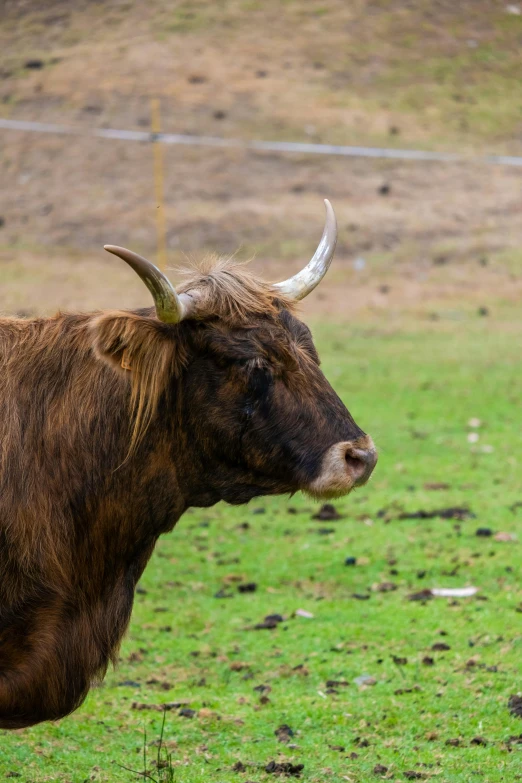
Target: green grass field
(430, 713)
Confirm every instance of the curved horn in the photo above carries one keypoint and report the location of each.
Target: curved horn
(170, 308)
(300, 285)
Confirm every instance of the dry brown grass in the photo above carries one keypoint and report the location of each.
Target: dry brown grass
(336, 71)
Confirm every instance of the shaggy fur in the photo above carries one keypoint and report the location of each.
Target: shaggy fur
(97, 461)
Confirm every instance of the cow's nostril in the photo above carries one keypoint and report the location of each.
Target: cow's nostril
(355, 463)
(361, 463)
(345, 465)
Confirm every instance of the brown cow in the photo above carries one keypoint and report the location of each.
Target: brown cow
(113, 424)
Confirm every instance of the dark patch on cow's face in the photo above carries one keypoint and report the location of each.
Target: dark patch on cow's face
(259, 411)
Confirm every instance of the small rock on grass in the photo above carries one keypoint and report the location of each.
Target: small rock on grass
(503, 537)
(365, 679)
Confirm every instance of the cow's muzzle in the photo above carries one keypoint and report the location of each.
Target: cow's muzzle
(344, 466)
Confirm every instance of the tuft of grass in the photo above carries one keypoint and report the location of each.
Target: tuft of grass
(162, 769)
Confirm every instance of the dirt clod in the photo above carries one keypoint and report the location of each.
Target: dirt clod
(385, 587)
(479, 741)
(239, 666)
(223, 594)
(166, 707)
(239, 767)
(453, 742)
(284, 733)
(515, 705)
(284, 768)
(422, 595)
(350, 561)
(186, 712)
(440, 646)
(411, 774)
(483, 532)
(327, 513)
(414, 688)
(380, 769)
(247, 587)
(453, 512)
(270, 621)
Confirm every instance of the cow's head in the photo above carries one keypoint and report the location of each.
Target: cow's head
(240, 375)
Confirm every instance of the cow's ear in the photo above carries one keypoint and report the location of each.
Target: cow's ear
(139, 345)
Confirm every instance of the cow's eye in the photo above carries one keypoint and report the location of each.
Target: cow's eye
(260, 380)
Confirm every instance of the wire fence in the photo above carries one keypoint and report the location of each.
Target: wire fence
(308, 148)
